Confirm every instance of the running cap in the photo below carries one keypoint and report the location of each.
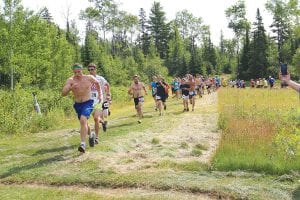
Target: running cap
(77, 66)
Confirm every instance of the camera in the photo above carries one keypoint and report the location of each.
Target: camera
(283, 69)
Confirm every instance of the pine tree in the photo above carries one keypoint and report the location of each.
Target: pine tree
(46, 15)
(243, 66)
(159, 29)
(258, 50)
(144, 37)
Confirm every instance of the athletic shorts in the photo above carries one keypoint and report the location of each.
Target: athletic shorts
(84, 108)
(138, 100)
(192, 94)
(185, 97)
(161, 98)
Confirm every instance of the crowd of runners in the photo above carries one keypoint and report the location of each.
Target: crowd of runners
(92, 95)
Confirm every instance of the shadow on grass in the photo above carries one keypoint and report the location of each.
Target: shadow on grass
(296, 194)
(122, 125)
(40, 163)
(52, 150)
(177, 112)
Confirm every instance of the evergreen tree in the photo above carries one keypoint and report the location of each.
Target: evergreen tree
(209, 56)
(46, 15)
(176, 52)
(159, 29)
(258, 50)
(280, 25)
(144, 37)
(243, 67)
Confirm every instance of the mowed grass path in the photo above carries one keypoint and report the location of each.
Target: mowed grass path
(165, 157)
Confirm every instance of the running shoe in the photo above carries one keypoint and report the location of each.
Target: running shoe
(96, 140)
(81, 148)
(104, 126)
(92, 139)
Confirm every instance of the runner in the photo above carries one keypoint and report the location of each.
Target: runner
(175, 88)
(209, 83)
(136, 91)
(185, 94)
(80, 85)
(198, 82)
(161, 95)
(100, 108)
(153, 89)
(192, 90)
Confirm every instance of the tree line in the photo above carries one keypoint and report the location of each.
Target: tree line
(35, 52)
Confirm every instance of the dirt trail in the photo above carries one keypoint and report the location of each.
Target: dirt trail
(137, 151)
(191, 130)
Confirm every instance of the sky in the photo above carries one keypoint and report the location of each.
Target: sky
(212, 12)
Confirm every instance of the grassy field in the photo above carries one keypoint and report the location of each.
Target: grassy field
(158, 159)
(261, 131)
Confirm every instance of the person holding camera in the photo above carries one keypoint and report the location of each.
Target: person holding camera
(287, 79)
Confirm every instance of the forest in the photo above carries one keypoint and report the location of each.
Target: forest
(35, 52)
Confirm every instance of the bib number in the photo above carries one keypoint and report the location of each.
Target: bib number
(105, 105)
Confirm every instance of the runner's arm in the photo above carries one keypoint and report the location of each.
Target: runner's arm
(67, 88)
(130, 90)
(145, 89)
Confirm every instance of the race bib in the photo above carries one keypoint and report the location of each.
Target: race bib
(105, 105)
(94, 95)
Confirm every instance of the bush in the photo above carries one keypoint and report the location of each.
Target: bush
(18, 114)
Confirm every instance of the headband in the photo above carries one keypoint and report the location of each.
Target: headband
(77, 66)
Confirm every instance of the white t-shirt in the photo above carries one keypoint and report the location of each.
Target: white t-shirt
(94, 92)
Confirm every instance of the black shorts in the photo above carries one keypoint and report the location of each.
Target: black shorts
(161, 98)
(138, 100)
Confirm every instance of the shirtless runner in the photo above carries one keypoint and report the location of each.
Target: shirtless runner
(80, 85)
(136, 90)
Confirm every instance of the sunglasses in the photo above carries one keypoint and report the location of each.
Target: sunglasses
(91, 69)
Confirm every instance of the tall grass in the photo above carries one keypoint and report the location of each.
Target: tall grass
(261, 131)
(17, 114)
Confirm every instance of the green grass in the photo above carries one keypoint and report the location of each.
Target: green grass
(39, 165)
(260, 131)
